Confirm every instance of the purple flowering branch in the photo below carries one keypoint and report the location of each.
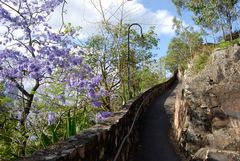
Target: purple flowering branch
(31, 51)
(38, 54)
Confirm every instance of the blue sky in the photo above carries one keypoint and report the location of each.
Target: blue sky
(155, 5)
(145, 12)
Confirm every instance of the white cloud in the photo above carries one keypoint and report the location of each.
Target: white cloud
(83, 13)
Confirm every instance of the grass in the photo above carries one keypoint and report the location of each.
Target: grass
(226, 44)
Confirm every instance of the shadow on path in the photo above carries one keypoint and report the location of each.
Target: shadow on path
(154, 141)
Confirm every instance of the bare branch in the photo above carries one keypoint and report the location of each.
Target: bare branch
(20, 87)
(62, 16)
(12, 8)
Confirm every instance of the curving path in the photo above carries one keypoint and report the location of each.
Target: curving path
(154, 142)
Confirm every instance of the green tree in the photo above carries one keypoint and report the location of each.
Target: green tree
(183, 47)
(214, 15)
(107, 54)
(150, 75)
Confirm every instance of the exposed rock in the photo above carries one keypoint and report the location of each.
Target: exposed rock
(211, 128)
(207, 154)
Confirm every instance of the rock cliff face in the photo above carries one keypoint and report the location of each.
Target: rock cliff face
(207, 115)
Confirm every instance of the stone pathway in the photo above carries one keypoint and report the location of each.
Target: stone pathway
(154, 141)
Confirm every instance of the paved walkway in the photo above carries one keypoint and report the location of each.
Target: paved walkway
(154, 143)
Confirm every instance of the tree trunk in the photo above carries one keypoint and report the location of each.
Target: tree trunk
(214, 38)
(223, 31)
(229, 21)
(23, 128)
(221, 24)
(108, 103)
(26, 110)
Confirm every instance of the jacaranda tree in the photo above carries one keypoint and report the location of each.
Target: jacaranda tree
(31, 53)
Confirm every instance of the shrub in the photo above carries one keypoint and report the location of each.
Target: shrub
(200, 62)
(226, 44)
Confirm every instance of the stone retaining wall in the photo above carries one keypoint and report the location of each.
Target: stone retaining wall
(207, 111)
(102, 141)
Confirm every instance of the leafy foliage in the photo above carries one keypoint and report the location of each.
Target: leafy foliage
(183, 47)
(108, 56)
(213, 15)
(199, 62)
(226, 44)
(148, 78)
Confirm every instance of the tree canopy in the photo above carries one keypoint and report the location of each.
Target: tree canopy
(213, 15)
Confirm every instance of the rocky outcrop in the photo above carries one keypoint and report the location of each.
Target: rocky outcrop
(207, 114)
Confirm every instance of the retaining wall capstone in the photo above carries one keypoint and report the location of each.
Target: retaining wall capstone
(102, 141)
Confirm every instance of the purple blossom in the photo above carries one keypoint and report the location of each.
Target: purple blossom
(102, 92)
(102, 116)
(80, 52)
(92, 93)
(96, 103)
(96, 80)
(76, 60)
(51, 118)
(48, 54)
(49, 70)
(82, 84)
(31, 66)
(61, 97)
